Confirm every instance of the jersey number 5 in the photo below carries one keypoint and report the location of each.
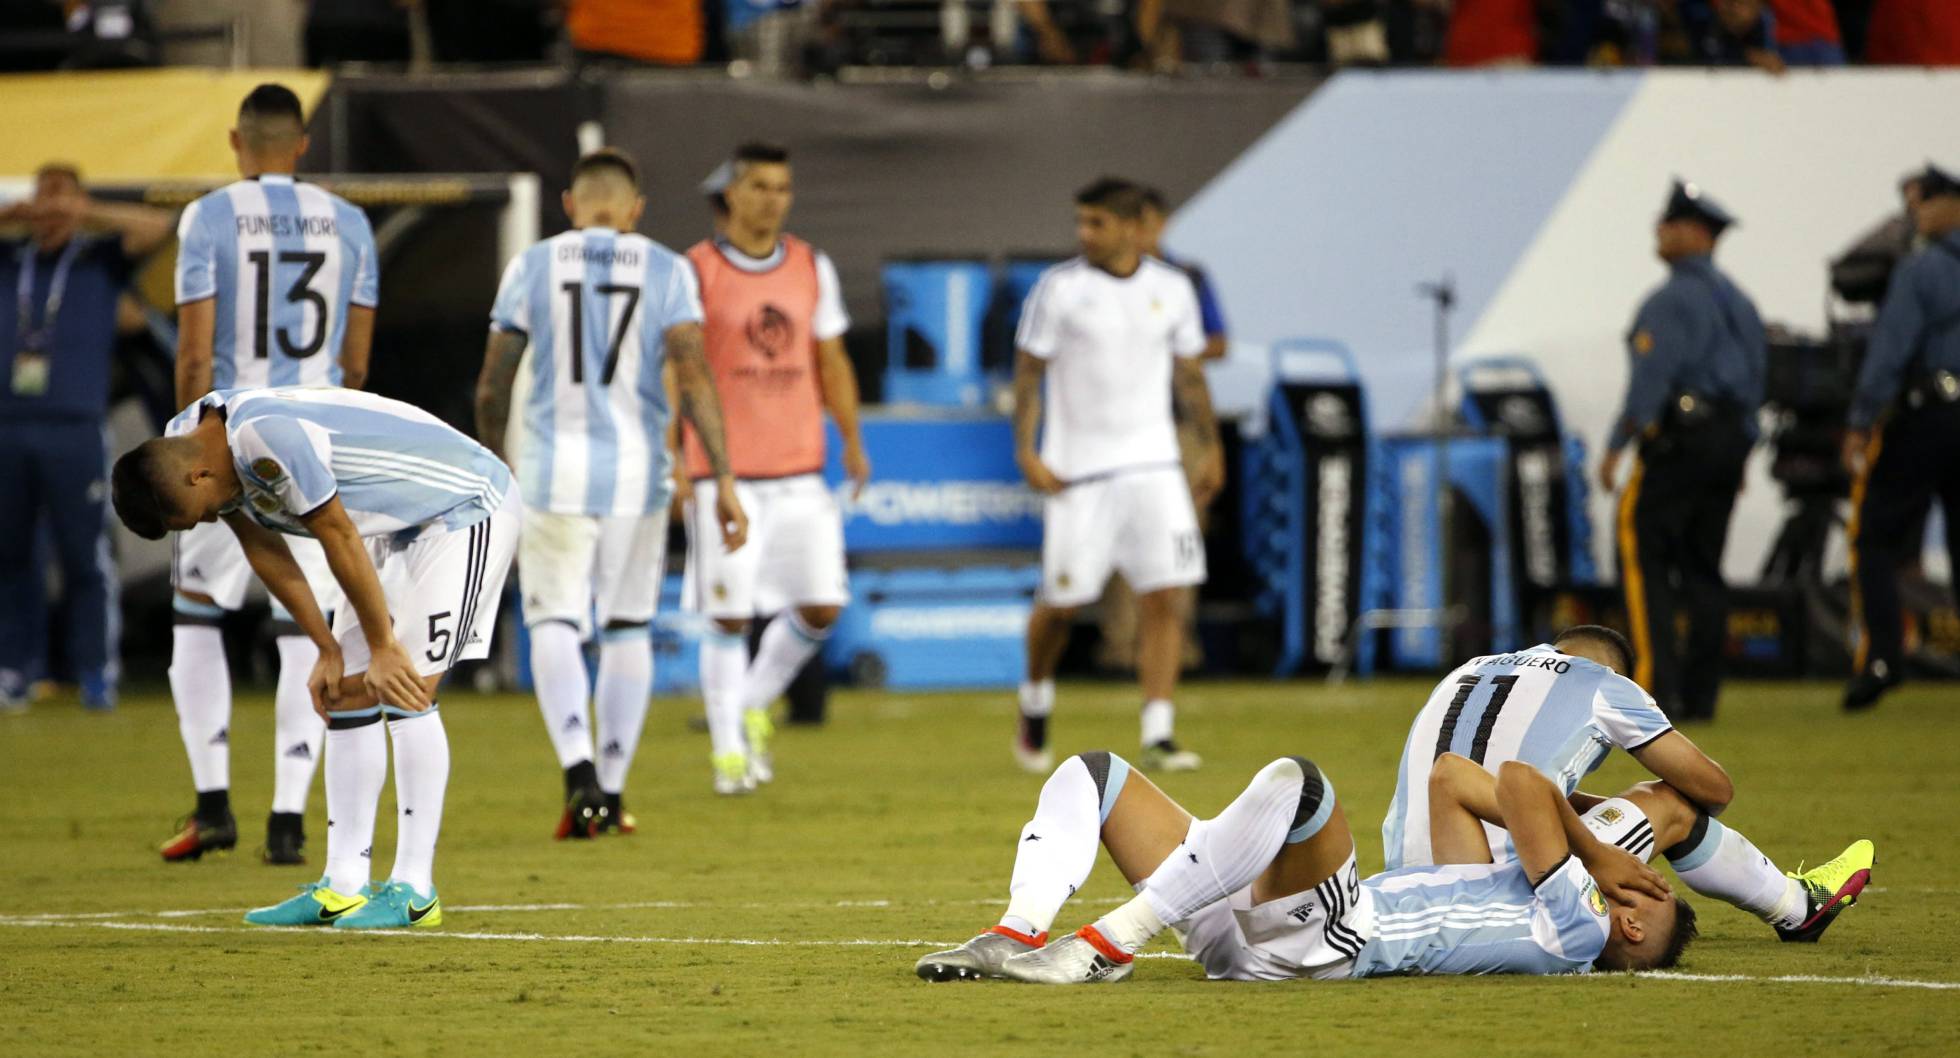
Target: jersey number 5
(300, 291)
(575, 293)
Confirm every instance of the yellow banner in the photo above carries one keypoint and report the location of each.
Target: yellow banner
(136, 125)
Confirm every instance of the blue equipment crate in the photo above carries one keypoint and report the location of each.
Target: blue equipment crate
(935, 313)
(935, 628)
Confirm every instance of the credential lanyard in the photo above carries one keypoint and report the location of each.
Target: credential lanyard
(31, 338)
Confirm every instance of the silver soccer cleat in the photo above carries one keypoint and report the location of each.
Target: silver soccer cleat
(1169, 756)
(978, 958)
(1072, 960)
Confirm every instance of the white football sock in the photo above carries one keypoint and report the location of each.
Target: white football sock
(1728, 867)
(724, 662)
(421, 778)
(1037, 697)
(558, 673)
(1058, 846)
(1157, 720)
(1223, 854)
(298, 730)
(625, 690)
(357, 769)
(200, 683)
(787, 645)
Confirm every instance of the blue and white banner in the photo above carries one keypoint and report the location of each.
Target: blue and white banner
(936, 483)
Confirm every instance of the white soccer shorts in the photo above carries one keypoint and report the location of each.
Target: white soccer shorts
(1140, 522)
(1620, 823)
(794, 555)
(443, 589)
(573, 564)
(1313, 934)
(208, 560)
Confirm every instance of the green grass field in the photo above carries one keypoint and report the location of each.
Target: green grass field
(787, 923)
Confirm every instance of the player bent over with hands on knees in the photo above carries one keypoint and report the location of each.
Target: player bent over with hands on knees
(387, 490)
(1268, 888)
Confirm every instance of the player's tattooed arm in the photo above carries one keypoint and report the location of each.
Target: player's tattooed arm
(1029, 371)
(1198, 426)
(687, 351)
(501, 356)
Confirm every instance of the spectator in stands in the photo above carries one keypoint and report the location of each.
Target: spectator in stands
(1807, 33)
(663, 32)
(1492, 33)
(339, 31)
(1738, 33)
(1914, 33)
(56, 339)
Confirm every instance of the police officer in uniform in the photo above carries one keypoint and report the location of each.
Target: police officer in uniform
(1913, 366)
(1698, 357)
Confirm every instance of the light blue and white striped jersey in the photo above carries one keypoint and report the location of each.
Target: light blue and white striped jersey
(596, 305)
(1555, 712)
(1480, 919)
(394, 466)
(284, 261)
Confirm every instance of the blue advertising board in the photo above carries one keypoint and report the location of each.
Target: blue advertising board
(937, 483)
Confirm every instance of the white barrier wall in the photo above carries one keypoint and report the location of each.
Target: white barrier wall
(1538, 191)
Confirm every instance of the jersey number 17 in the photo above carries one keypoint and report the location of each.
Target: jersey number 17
(575, 294)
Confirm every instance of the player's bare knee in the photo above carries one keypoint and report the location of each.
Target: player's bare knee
(818, 618)
(1670, 812)
(1447, 772)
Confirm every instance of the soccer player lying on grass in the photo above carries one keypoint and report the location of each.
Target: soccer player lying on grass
(1268, 889)
(1561, 709)
(387, 489)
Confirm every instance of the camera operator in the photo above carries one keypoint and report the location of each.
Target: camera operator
(1913, 366)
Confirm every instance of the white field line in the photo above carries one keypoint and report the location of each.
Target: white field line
(636, 905)
(866, 942)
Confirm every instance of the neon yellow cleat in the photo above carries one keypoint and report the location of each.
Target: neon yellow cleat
(316, 905)
(1832, 887)
(756, 724)
(732, 774)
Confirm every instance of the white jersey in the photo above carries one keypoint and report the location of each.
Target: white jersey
(596, 305)
(1558, 713)
(1109, 342)
(393, 466)
(284, 260)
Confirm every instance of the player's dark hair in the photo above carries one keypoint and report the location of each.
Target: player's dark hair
(1154, 199)
(65, 169)
(759, 152)
(133, 489)
(1684, 933)
(1115, 194)
(272, 101)
(1602, 635)
(607, 158)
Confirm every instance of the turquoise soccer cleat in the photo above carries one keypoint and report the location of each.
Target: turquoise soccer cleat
(316, 905)
(394, 905)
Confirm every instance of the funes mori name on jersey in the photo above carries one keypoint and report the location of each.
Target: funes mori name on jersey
(602, 256)
(949, 502)
(283, 225)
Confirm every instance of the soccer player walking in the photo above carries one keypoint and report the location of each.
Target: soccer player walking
(276, 285)
(389, 491)
(1109, 345)
(775, 339)
(602, 310)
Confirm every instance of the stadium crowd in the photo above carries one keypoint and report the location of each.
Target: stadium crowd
(804, 37)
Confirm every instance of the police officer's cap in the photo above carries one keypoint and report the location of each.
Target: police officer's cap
(1935, 182)
(1688, 202)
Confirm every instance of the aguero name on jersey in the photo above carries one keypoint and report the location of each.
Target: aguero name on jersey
(1558, 713)
(396, 468)
(284, 260)
(596, 305)
(1480, 919)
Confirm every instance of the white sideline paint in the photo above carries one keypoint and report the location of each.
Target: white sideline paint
(94, 922)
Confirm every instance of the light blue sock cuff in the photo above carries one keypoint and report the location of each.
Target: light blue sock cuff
(1119, 773)
(616, 635)
(395, 712)
(1711, 842)
(717, 636)
(1320, 816)
(188, 608)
